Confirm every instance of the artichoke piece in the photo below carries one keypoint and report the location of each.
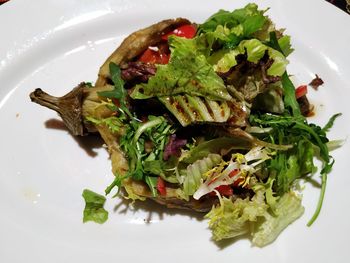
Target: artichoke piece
(191, 109)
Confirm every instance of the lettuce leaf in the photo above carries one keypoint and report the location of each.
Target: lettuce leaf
(223, 60)
(285, 45)
(235, 218)
(240, 23)
(253, 217)
(188, 72)
(288, 209)
(194, 172)
(94, 210)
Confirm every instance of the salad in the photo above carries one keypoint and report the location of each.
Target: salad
(204, 117)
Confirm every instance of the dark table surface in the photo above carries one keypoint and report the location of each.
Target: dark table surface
(342, 4)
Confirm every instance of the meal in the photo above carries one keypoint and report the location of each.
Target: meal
(204, 117)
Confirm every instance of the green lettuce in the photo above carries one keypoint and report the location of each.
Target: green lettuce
(188, 72)
(94, 210)
(239, 24)
(285, 45)
(235, 218)
(232, 219)
(193, 174)
(255, 50)
(288, 208)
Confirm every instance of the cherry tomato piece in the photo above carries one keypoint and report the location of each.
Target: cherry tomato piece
(186, 31)
(154, 57)
(300, 91)
(161, 186)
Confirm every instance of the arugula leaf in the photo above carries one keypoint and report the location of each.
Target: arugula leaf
(117, 182)
(290, 101)
(151, 181)
(330, 122)
(118, 92)
(143, 163)
(296, 130)
(324, 174)
(94, 210)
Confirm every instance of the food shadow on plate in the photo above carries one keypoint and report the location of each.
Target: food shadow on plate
(87, 143)
(223, 244)
(153, 210)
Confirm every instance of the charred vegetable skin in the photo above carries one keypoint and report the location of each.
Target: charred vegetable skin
(202, 117)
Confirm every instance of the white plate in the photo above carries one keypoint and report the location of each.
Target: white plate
(56, 44)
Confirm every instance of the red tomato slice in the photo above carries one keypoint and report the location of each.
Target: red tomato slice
(154, 57)
(161, 186)
(300, 91)
(186, 31)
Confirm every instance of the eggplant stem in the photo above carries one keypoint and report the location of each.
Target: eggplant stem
(69, 107)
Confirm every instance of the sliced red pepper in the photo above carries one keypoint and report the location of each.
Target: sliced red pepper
(186, 31)
(300, 91)
(233, 173)
(224, 190)
(154, 57)
(161, 186)
(238, 181)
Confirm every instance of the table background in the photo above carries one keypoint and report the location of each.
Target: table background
(342, 4)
